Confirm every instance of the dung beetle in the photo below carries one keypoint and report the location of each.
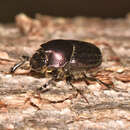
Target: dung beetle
(63, 59)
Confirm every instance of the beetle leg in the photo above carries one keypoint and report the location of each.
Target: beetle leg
(95, 79)
(44, 88)
(16, 66)
(55, 76)
(100, 82)
(69, 81)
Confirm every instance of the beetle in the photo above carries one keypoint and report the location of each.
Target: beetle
(64, 59)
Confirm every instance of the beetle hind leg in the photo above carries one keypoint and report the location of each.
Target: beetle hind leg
(100, 82)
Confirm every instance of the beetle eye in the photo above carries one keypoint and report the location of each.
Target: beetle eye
(45, 61)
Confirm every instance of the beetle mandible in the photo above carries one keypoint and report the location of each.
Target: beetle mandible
(60, 59)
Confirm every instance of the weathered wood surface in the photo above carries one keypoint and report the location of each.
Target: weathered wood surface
(22, 107)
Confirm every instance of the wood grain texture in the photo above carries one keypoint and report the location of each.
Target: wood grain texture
(23, 107)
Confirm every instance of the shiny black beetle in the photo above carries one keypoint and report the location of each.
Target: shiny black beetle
(62, 59)
(72, 54)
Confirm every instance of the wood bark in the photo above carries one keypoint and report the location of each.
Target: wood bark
(23, 107)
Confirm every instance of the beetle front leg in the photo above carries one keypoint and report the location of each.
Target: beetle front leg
(55, 76)
(44, 88)
(16, 66)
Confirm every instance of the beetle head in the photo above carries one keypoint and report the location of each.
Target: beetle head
(38, 60)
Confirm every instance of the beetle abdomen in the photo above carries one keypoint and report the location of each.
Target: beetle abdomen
(86, 55)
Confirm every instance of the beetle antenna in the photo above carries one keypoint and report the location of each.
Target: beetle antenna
(16, 66)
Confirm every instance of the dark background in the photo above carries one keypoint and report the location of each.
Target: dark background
(66, 8)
